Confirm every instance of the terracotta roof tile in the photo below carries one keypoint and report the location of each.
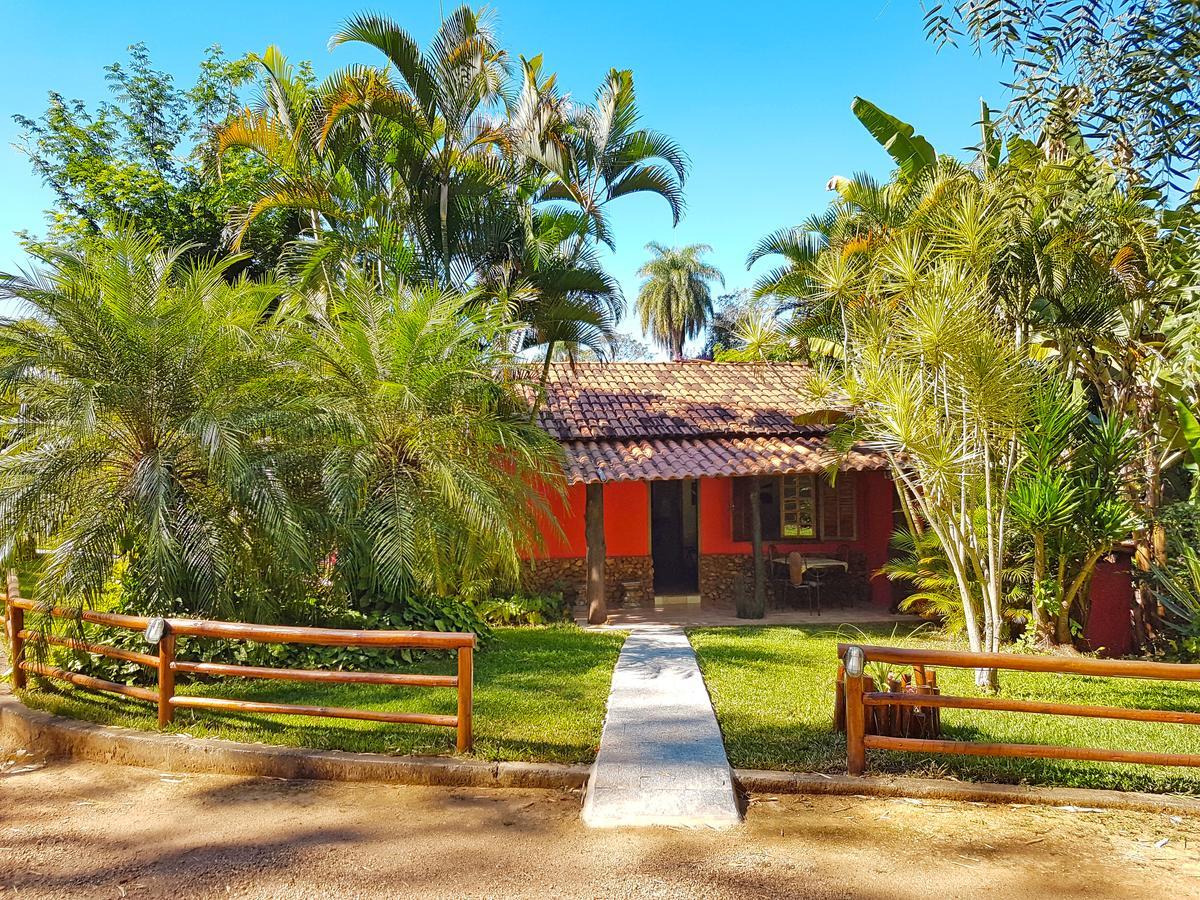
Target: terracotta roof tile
(661, 421)
(709, 457)
(689, 399)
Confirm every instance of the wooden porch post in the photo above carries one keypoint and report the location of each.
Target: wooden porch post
(594, 534)
(756, 606)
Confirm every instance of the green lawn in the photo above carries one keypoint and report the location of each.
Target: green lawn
(539, 695)
(773, 689)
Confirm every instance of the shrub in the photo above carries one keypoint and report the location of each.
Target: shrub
(520, 609)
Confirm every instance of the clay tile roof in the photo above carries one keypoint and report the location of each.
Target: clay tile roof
(707, 457)
(661, 421)
(597, 401)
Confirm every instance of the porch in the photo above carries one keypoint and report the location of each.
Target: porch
(691, 611)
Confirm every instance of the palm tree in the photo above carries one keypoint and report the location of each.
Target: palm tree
(675, 301)
(432, 483)
(607, 156)
(439, 107)
(143, 409)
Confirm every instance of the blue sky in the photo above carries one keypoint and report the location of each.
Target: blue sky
(758, 93)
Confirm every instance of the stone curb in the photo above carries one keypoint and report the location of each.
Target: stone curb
(759, 781)
(57, 736)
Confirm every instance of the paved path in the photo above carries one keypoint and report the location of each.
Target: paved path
(661, 759)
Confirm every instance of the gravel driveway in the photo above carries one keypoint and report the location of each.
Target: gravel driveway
(90, 830)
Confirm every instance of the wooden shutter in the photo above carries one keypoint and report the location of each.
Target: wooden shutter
(839, 508)
(741, 509)
(769, 497)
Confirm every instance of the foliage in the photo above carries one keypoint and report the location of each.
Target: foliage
(520, 609)
(918, 558)
(675, 301)
(139, 395)
(138, 159)
(440, 167)
(1071, 499)
(1178, 590)
(1127, 70)
(433, 481)
(354, 434)
(941, 390)
(751, 328)
(909, 150)
(1075, 271)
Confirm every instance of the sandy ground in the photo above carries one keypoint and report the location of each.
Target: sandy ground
(89, 830)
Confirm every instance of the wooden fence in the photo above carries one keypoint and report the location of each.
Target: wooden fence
(167, 666)
(859, 701)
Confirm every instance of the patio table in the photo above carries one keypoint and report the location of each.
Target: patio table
(817, 562)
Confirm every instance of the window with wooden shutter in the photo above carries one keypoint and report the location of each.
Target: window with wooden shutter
(798, 511)
(839, 508)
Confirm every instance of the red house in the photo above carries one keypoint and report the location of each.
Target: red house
(670, 449)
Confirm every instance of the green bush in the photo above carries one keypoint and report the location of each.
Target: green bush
(521, 609)
(424, 614)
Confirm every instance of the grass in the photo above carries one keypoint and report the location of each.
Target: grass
(540, 694)
(773, 689)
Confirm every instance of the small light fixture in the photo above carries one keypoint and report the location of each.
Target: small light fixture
(155, 629)
(854, 661)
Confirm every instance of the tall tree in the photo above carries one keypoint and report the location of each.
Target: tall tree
(675, 299)
(139, 389)
(433, 479)
(1126, 69)
(139, 159)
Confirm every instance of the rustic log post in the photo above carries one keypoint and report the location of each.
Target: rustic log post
(16, 624)
(756, 605)
(594, 534)
(166, 678)
(466, 688)
(856, 721)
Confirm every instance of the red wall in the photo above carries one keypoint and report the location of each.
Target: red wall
(1109, 630)
(875, 498)
(626, 522)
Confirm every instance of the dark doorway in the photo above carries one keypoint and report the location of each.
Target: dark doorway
(674, 536)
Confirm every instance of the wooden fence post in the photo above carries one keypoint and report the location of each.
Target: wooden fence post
(856, 724)
(466, 687)
(166, 678)
(16, 624)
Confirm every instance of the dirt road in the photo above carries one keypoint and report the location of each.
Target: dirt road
(88, 830)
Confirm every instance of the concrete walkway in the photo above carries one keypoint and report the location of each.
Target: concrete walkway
(661, 759)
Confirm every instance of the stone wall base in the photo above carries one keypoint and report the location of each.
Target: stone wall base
(569, 576)
(718, 575)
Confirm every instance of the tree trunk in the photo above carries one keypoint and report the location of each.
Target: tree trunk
(756, 605)
(594, 534)
(1151, 542)
(1040, 623)
(444, 213)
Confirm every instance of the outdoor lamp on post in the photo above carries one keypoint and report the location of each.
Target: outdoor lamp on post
(155, 629)
(854, 661)
(158, 633)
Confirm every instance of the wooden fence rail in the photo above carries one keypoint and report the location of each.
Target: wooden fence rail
(167, 666)
(859, 701)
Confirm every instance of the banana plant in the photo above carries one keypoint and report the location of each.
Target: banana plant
(911, 152)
